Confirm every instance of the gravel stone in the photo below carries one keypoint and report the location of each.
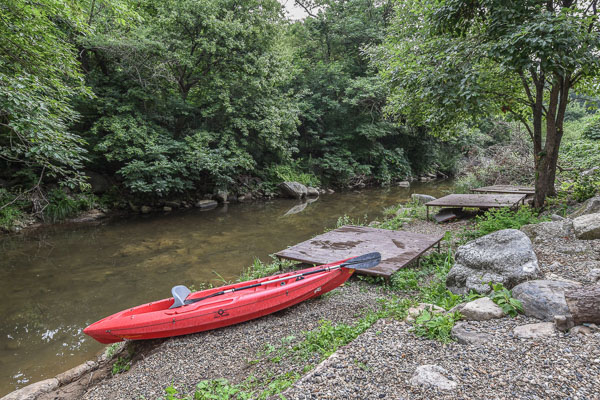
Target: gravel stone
(431, 375)
(535, 331)
(481, 310)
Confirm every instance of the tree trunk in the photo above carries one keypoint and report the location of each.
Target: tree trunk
(538, 109)
(584, 304)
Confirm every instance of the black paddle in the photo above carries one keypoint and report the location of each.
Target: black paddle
(365, 261)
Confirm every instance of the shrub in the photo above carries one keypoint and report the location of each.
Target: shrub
(503, 218)
(592, 129)
(503, 297)
(61, 206)
(436, 326)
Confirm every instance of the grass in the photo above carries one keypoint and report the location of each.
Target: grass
(502, 218)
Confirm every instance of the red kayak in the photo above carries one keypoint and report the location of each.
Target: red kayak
(219, 307)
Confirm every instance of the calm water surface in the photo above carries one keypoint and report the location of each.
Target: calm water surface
(54, 283)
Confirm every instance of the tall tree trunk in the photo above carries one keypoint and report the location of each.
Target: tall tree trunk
(538, 110)
(565, 85)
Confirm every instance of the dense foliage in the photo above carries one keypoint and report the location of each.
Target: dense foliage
(179, 98)
(454, 61)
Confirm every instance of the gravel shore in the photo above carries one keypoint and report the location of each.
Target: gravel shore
(380, 363)
(235, 352)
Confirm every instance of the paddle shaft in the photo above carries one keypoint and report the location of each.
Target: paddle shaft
(285, 278)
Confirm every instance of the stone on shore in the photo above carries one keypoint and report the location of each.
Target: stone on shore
(465, 334)
(504, 257)
(590, 206)
(432, 376)
(33, 391)
(587, 227)
(414, 312)
(146, 209)
(543, 299)
(535, 331)
(295, 190)
(206, 204)
(594, 275)
(221, 196)
(421, 198)
(549, 230)
(481, 309)
(403, 184)
(312, 192)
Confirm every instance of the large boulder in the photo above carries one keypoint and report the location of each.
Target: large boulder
(99, 183)
(549, 230)
(590, 206)
(587, 227)
(421, 198)
(543, 299)
(294, 190)
(504, 257)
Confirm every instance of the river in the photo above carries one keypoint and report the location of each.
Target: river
(56, 281)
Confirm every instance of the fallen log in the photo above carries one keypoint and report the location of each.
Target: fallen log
(584, 304)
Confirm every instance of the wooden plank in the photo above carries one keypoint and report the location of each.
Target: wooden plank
(397, 248)
(447, 214)
(478, 200)
(508, 189)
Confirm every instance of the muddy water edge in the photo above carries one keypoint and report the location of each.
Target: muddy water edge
(56, 281)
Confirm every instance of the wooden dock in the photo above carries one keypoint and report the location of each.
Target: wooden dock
(397, 248)
(506, 189)
(482, 201)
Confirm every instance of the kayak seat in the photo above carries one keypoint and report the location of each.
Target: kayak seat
(180, 293)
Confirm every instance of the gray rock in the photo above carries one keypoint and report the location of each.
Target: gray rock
(31, 392)
(414, 312)
(221, 196)
(504, 256)
(294, 190)
(556, 217)
(464, 334)
(421, 198)
(482, 309)
(403, 184)
(543, 299)
(594, 275)
(581, 330)
(535, 331)
(549, 230)
(432, 376)
(146, 209)
(173, 204)
(167, 209)
(312, 192)
(587, 227)
(206, 204)
(590, 206)
(590, 171)
(330, 191)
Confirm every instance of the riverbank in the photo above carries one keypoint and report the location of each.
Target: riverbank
(375, 351)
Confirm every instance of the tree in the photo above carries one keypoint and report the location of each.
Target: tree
(450, 61)
(38, 76)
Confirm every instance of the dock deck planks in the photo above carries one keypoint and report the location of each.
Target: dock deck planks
(397, 248)
(507, 189)
(483, 201)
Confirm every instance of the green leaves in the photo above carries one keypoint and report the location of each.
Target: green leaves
(503, 298)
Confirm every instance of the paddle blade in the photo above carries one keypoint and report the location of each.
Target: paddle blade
(365, 261)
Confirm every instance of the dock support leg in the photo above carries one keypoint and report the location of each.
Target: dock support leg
(427, 208)
(439, 246)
